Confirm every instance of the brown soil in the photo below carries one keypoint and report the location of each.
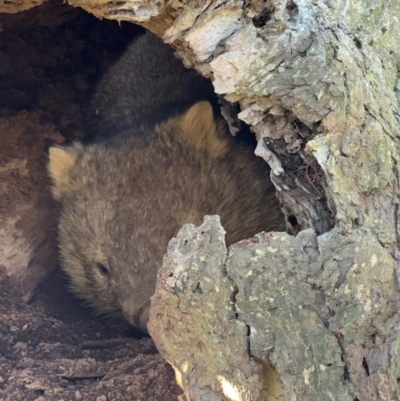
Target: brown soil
(53, 350)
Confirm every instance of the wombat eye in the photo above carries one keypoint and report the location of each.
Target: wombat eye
(103, 269)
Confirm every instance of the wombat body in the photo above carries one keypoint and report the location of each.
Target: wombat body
(161, 159)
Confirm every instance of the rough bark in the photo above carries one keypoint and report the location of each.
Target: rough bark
(323, 310)
(318, 82)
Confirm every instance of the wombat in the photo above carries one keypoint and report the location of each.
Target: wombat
(160, 158)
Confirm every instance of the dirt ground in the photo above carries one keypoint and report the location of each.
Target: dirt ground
(53, 348)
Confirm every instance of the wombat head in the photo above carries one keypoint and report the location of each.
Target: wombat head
(117, 212)
(95, 231)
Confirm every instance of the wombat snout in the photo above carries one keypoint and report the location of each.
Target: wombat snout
(136, 315)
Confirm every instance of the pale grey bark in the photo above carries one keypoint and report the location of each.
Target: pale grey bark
(316, 80)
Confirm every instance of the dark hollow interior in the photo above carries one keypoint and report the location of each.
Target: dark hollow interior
(51, 57)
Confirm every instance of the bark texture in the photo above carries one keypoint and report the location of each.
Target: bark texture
(322, 310)
(311, 317)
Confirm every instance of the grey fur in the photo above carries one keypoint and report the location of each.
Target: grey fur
(124, 197)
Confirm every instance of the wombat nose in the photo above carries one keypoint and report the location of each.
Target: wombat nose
(137, 316)
(143, 319)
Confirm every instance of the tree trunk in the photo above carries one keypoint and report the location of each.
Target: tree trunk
(312, 316)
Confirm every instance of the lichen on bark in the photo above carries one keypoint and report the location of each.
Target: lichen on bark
(315, 307)
(196, 300)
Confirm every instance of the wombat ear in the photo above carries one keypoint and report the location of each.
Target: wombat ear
(60, 162)
(202, 131)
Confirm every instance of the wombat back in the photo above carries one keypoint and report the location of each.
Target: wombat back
(146, 86)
